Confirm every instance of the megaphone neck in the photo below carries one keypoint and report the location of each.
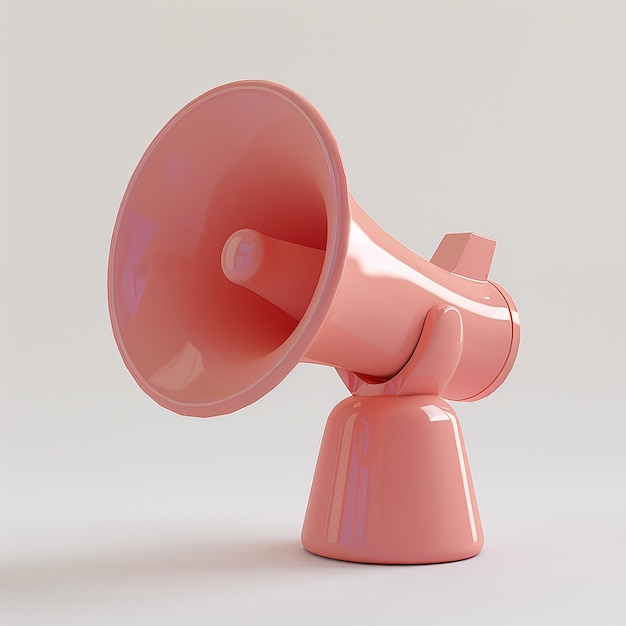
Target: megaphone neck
(282, 272)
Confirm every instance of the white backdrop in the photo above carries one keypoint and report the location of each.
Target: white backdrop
(505, 118)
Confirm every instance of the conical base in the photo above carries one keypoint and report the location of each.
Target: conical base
(393, 485)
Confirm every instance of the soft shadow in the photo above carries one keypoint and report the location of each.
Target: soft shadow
(118, 563)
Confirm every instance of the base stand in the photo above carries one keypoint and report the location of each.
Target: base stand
(392, 484)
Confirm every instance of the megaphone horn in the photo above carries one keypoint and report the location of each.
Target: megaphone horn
(238, 251)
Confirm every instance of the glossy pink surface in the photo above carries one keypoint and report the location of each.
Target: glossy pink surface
(257, 156)
(465, 254)
(431, 366)
(393, 485)
(249, 155)
(383, 298)
(281, 272)
(238, 252)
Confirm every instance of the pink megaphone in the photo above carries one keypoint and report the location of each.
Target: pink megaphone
(238, 252)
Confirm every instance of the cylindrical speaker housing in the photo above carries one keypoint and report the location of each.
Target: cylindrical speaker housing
(383, 297)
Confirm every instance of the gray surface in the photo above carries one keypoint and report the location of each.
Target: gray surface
(504, 118)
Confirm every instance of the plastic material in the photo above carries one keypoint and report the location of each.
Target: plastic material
(255, 156)
(284, 273)
(465, 254)
(393, 485)
(238, 251)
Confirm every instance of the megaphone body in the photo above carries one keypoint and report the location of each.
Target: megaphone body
(239, 251)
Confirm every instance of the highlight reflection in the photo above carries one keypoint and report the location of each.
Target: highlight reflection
(136, 269)
(437, 414)
(181, 371)
(348, 513)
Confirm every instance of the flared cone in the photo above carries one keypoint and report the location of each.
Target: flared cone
(247, 155)
(238, 251)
